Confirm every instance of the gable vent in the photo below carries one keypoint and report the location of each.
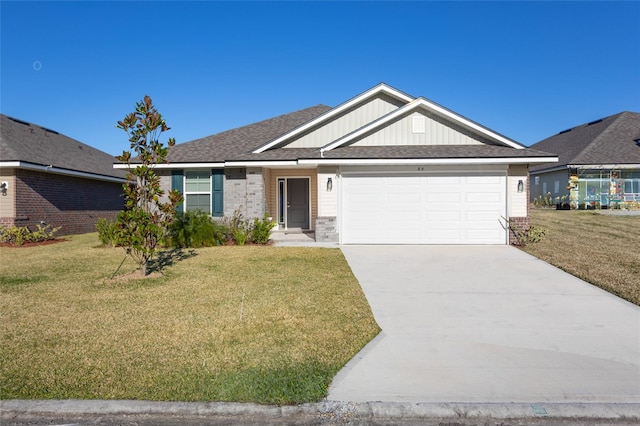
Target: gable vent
(594, 122)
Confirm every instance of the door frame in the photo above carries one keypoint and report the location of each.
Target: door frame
(283, 202)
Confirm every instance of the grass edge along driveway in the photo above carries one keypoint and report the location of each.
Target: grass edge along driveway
(271, 325)
(599, 248)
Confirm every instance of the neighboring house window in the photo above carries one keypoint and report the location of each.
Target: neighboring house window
(544, 187)
(556, 187)
(197, 190)
(537, 180)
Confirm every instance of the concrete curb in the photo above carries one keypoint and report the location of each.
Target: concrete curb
(331, 409)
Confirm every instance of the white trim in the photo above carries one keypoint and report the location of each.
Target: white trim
(380, 88)
(435, 161)
(170, 165)
(59, 171)
(260, 163)
(286, 195)
(603, 166)
(419, 102)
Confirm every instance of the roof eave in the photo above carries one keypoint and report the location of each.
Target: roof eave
(60, 171)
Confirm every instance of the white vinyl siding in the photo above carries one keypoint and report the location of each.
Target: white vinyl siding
(461, 208)
(352, 120)
(327, 200)
(431, 132)
(517, 201)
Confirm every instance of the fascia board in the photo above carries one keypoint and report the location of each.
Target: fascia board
(604, 166)
(420, 102)
(261, 163)
(427, 161)
(380, 88)
(59, 171)
(170, 165)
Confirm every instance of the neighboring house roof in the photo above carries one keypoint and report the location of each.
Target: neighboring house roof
(609, 141)
(322, 134)
(27, 145)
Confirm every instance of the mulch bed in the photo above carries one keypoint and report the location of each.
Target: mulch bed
(30, 244)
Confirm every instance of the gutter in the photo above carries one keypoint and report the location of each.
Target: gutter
(59, 171)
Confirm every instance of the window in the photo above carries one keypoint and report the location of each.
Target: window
(197, 190)
(537, 180)
(556, 187)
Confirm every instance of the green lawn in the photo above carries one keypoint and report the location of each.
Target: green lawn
(598, 248)
(264, 324)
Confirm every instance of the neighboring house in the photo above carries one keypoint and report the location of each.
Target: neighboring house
(381, 168)
(599, 164)
(50, 178)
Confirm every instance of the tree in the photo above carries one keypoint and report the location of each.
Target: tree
(142, 224)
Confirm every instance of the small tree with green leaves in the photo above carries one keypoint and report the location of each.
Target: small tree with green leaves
(141, 226)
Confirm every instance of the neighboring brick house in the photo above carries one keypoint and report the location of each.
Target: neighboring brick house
(598, 168)
(50, 178)
(381, 168)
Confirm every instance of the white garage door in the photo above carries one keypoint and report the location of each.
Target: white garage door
(425, 209)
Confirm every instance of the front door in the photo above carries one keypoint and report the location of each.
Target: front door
(298, 203)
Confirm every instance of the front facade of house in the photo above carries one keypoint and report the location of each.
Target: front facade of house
(599, 165)
(381, 168)
(49, 178)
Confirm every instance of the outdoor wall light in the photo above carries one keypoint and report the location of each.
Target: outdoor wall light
(329, 185)
(520, 185)
(3, 188)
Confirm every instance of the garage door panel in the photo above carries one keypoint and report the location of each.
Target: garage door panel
(426, 209)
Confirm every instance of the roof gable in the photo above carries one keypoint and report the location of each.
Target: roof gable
(610, 140)
(25, 142)
(474, 132)
(380, 92)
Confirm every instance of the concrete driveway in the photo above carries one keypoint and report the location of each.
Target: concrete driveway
(487, 324)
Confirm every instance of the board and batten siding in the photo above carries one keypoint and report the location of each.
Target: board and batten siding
(347, 123)
(517, 202)
(272, 200)
(417, 129)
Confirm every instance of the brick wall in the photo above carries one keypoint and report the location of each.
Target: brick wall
(521, 223)
(327, 229)
(71, 202)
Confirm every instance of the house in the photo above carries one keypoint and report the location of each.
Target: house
(599, 164)
(47, 177)
(381, 168)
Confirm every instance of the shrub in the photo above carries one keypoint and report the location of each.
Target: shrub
(262, 229)
(106, 232)
(524, 236)
(19, 235)
(195, 229)
(238, 229)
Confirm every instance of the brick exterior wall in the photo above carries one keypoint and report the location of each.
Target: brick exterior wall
(256, 198)
(327, 229)
(235, 196)
(73, 203)
(520, 223)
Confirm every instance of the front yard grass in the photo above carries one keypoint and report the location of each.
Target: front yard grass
(271, 325)
(601, 249)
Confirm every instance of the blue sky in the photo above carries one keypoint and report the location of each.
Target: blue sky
(525, 69)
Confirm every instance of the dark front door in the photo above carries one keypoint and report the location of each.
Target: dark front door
(298, 203)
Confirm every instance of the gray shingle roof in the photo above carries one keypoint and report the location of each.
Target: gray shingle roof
(241, 141)
(27, 142)
(611, 140)
(238, 144)
(395, 152)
